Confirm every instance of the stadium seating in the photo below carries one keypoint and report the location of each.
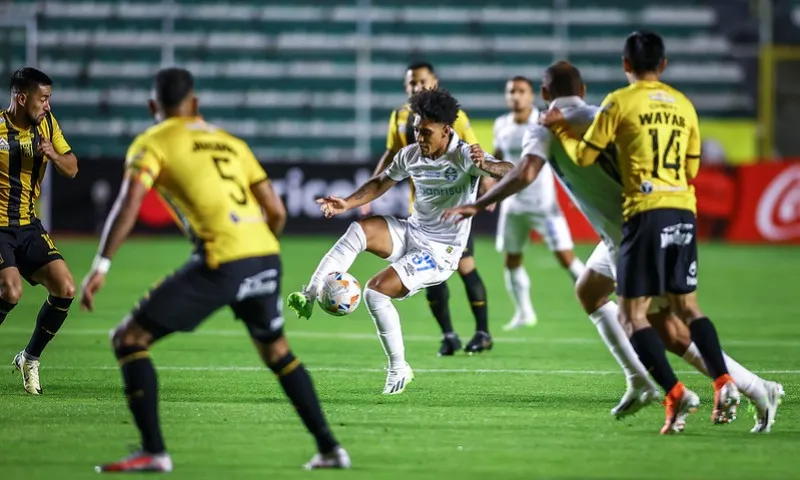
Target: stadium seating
(313, 79)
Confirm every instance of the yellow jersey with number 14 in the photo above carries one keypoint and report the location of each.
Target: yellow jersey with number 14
(204, 174)
(656, 131)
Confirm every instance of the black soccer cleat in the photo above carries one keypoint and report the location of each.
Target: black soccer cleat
(480, 342)
(450, 345)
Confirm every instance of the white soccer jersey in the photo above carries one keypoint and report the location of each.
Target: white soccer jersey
(596, 189)
(448, 181)
(539, 196)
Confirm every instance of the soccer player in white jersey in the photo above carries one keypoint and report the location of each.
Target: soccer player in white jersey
(534, 208)
(596, 190)
(423, 251)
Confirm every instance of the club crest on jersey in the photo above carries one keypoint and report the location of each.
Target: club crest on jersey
(450, 174)
(661, 96)
(3, 145)
(646, 187)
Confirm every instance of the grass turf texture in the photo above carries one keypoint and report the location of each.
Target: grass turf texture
(534, 407)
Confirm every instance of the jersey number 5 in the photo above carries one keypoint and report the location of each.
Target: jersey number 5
(241, 198)
(661, 159)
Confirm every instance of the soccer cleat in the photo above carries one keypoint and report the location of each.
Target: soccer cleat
(338, 458)
(480, 342)
(639, 395)
(301, 303)
(726, 400)
(767, 406)
(139, 462)
(519, 322)
(450, 345)
(30, 373)
(398, 379)
(680, 402)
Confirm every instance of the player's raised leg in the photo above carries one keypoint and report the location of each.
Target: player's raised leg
(593, 289)
(370, 234)
(513, 232)
(478, 302)
(381, 290)
(47, 268)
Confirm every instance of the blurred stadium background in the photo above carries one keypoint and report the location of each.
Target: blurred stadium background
(310, 85)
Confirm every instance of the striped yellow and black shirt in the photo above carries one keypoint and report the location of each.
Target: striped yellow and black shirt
(22, 167)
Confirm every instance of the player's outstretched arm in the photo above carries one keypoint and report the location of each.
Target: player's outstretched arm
(272, 205)
(487, 163)
(118, 226)
(372, 189)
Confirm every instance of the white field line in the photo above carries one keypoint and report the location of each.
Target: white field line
(409, 338)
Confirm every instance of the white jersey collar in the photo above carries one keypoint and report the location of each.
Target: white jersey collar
(570, 101)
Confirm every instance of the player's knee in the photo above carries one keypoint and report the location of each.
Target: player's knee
(129, 334)
(513, 261)
(565, 258)
(64, 288)
(11, 291)
(593, 290)
(438, 294)
(272, 352)
(466, 266)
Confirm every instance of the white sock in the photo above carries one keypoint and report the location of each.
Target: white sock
(576, 268)
(746, 381)
(518, 285)
(340, 257)
(607, 324)
(387, 322)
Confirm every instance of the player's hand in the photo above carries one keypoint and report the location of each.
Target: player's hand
(551, 118)
(477, 155)
(332, 206)
(365, 209)
(491, 208)
(46, 148)
(89, 287)
(461, 213)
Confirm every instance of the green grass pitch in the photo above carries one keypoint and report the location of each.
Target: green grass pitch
(537, 406)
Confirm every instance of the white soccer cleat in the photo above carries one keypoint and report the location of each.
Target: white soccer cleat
(767, 406)
(726, 402)
(639, 395)
(398, 379)
(30, 373)
(518, 321)
(338, 458)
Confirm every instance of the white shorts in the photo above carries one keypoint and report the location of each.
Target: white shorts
(514, 229)
(604, 261)
(418, 262)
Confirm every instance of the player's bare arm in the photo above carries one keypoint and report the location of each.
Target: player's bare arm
(66, 165)
(514, 182)
(119, 224)
(372, 189)
(271, 204)
(495, 168)
(576, 147)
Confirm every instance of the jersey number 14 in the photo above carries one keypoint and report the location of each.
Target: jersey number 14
(240, 196)
(666, 159)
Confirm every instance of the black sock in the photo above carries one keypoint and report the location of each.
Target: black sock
(653, 354)
(476, 292)
(297, 384)
(141, 390)
(51, 316)
(439, 302)
(5, 308)
(704, 335)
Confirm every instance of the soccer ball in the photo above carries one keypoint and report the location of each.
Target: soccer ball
(339, 294)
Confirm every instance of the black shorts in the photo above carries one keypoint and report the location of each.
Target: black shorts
(183, 300)
(658, 254)
(469, 250)
(28, 248)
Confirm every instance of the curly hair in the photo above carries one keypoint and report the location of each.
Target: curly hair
(436, 105)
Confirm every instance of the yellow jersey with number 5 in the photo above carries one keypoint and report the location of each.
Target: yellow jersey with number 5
(204, 174)
(656, 131)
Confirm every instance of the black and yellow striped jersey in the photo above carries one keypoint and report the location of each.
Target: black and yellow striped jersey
(22, 167)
